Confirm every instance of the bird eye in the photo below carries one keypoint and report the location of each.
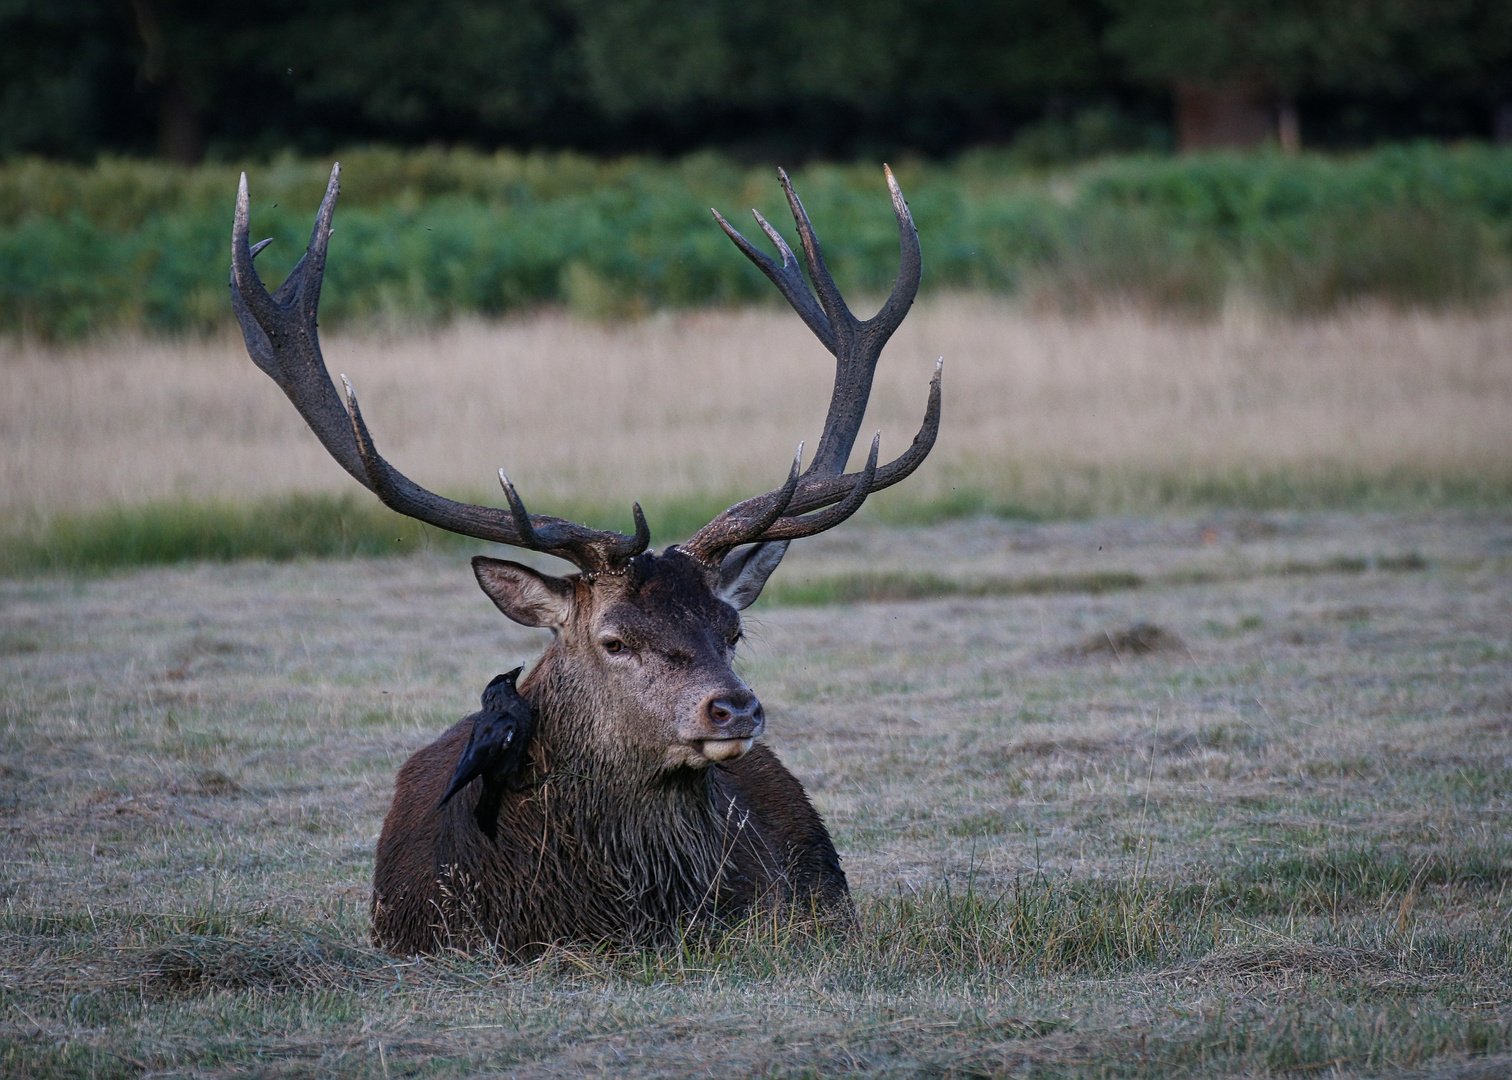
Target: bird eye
(613, 645)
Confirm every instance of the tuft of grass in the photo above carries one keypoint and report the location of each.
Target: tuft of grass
(196, 964)
(300, 525)
(295, 526)
(1347, 878)
(872, 587)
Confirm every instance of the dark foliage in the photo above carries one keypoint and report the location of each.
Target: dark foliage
(757, 77)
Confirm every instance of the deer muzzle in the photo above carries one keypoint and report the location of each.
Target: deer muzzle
(728, 722)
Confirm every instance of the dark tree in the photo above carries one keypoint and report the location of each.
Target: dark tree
(63, 66)
(1237, 68)
(788, 78)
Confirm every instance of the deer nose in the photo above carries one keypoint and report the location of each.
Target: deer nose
(735, 715)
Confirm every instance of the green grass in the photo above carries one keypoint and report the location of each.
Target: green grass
(285, 527)
(1368, 1002)
(871, 588)
(290, 527)
(356, 525)
(1265, 854)
(429, 234)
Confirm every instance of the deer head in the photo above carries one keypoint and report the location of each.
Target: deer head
(639, 672)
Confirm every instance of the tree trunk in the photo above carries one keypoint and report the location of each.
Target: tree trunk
(1288, 127)
(181, 129)
(1232, 115)
(1501, 123)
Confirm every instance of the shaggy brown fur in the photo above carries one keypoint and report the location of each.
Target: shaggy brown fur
(604, 843)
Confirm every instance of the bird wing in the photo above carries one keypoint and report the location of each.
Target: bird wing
(492, 734)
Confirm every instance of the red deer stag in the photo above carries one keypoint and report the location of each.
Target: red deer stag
(647, 805)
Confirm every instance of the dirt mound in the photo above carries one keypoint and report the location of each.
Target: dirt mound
(1137, 639)
(209, 783)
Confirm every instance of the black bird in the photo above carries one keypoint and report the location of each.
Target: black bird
(495, 750)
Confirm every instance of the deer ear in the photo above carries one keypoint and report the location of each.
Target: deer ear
(744, 572)
(527, 596)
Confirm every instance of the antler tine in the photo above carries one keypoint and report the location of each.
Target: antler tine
(880, 326)
(744, 522)
(788, 277)
(516, 508)
(796, 528)
(857, 346)
(283, 342)
(304, 281)
(627, 547)
(817, 491)
(829, 293)
(282, 339)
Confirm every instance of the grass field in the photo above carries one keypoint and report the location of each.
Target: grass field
(1217, 794)
(1163, 721)
(136, 451)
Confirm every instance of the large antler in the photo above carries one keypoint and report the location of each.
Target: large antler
(856, 345)
(281, 336)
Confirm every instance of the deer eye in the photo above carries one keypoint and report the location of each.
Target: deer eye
(613, 645)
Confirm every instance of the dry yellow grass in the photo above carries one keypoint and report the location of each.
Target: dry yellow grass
(713, 402)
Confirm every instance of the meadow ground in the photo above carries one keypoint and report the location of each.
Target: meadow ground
(1205, 795)
(1164, 790)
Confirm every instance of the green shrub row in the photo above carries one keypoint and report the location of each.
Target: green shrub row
(431, 234)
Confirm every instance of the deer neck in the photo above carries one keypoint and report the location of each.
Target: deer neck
(643, 844)
(609, 789)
